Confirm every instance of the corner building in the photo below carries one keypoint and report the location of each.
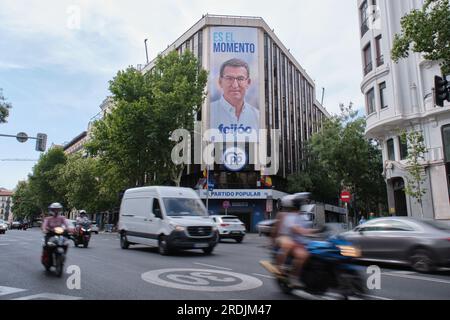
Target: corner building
(281, 92)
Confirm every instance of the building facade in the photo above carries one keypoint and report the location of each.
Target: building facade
(281, 93)
(400, 96)
(6, 205)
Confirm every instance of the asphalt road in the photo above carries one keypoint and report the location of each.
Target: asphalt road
(232, 272)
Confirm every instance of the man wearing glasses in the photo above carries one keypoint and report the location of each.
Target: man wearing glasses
(231, 114)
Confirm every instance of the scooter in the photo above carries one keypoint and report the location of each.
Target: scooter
(82, 235)
(330, 267)
(55, 250)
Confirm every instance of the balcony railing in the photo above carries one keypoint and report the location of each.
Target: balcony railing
(368, 68)
(364, 27)
(380, 60)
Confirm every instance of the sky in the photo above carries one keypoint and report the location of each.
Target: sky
(57, 56)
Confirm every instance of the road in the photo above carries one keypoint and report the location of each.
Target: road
(232, 272)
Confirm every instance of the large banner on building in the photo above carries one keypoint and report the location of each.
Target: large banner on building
(234, 83)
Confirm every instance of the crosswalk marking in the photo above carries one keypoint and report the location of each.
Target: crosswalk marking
(9, 290)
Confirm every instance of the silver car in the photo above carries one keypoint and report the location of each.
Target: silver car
(422, 244)
(229, 227)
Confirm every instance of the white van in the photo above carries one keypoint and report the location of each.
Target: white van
(169, 218)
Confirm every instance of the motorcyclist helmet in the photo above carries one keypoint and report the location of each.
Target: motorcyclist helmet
(82, 213)
(55, 209)
(295, 201)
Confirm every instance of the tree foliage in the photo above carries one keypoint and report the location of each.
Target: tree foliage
(426, 31)
(4, 108)
(24, 202)
(340, 157)
(43, 181)
(415, 158)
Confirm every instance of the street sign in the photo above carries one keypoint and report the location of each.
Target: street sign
(22, 137)
(226, 204)
(346, 196)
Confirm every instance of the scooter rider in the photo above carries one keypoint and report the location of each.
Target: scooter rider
(288, 234)
(82, 218)
(54, 220)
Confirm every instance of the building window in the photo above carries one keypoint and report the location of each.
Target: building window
(367, 59)
(403, 148)
(390, 149)
(370, 101)
(383, 98)
(379, 48)
(364, 17)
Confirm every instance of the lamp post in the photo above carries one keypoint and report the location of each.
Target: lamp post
(146, 52)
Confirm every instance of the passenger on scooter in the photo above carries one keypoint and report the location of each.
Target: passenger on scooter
(289, 232)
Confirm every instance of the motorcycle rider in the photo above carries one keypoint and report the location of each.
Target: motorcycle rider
(54, 220)
(288, 235)
(82, 218)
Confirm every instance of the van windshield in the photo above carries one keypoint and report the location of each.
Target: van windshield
(181, 207)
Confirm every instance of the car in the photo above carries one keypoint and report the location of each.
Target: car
(16, 225)
(94, 228)
(265, 227)
(421, 244)
(3, 226)
(229, 227)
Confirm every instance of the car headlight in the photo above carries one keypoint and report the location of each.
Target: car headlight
(177, 227)
(350, 251)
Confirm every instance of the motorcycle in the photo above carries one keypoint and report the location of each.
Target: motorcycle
(55, 250)
(330, 267)
(82, 235)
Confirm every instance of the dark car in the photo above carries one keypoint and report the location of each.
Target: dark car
(422, 244)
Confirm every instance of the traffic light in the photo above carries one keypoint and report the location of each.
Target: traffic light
(41, 142)
(441, 91)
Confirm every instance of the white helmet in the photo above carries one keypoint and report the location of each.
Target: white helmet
(54, 208)
(294, 201)
(82, 212)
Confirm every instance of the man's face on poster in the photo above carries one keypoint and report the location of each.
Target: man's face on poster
(234, 83)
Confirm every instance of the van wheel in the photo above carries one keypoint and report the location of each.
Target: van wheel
(163, 247)
(124, 244)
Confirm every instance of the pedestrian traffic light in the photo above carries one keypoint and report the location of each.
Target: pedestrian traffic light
(441, 91)
(41, 142)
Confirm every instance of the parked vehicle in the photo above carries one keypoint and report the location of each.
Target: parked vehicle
(94, 228)
(422, 244)
(330, 267)
(16, 225)
(3, 227)
(229, 227)
(169, 218)
(265, 227)
(55, 250)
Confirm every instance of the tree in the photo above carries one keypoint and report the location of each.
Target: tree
(80, 176)
(426, 31)
(133, 141)
(24, 202)
(4, 108)
(43, 181)
(178, 88)
(340, 157)
(416, 172)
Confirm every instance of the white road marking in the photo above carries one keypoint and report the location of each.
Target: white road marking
(263, 275)
(415, 277)
(9, 290)
(49, 296)
(375, 297)
(211, 266)
(206, 280)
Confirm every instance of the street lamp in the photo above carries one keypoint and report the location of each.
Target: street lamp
(146, 52)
